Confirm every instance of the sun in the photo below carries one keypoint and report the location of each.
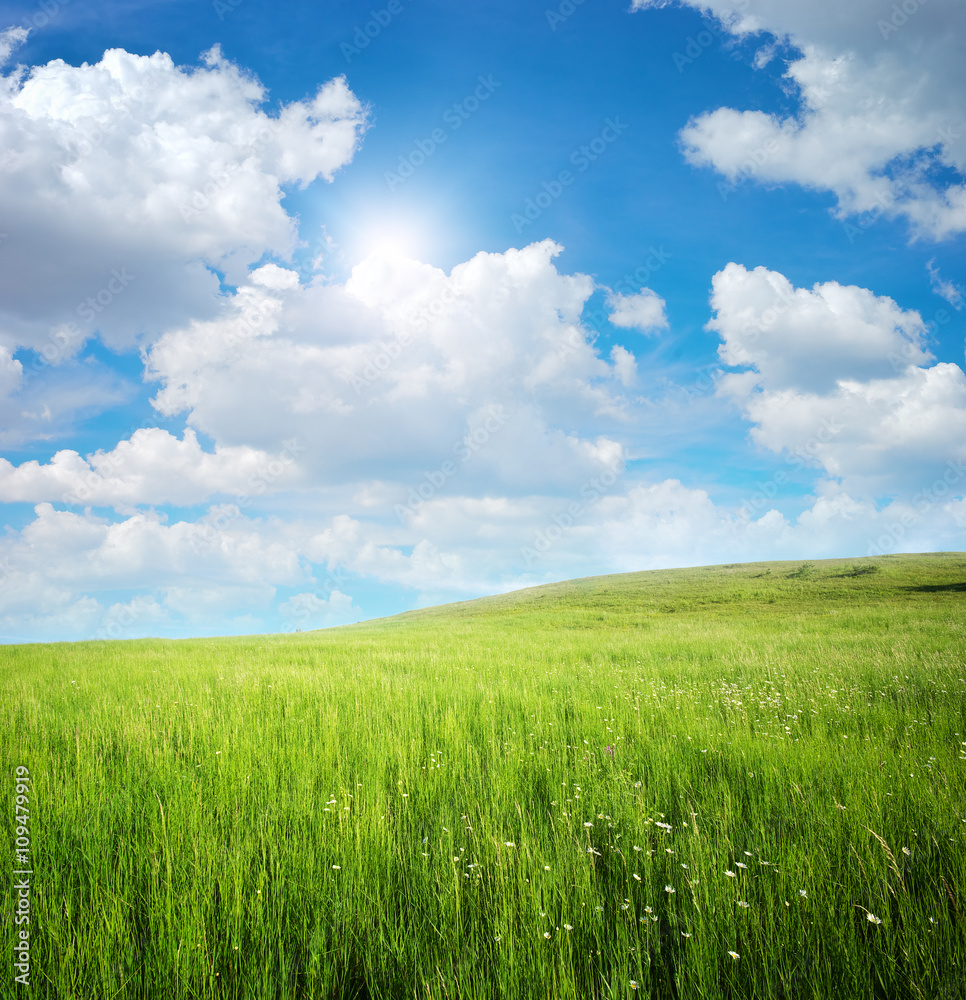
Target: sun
(390, 239)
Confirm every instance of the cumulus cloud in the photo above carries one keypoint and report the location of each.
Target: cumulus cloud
(811, 338)
(643, 311)
(100, 554)
(151, 467)
(402, 369)
(63, 570)
(884, 436)
(125, 182)
(837, 377)
(882, 119)
(398, 393)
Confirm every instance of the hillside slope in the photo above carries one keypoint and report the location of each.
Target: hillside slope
(629, 600)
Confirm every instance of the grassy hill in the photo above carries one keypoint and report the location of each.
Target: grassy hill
(733, 781)
(632, 600)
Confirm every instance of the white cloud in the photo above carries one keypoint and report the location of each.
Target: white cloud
(10, 39)
(132, 618)
(152, 467)
(200, 604)
(883, 103)
(948, 290)
(59, 574)
(445, 430)
(885, 436)
(403, 369)
(624, 364)
(124, 181)
(643, 311)
(29, 622)
(837, 378)
(308, 611)
(475, 546)
(274, 277)
(811, 338)
(82, 550)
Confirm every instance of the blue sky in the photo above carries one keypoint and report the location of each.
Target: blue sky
(296, 330)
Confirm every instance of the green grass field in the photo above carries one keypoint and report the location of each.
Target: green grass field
(737, 781)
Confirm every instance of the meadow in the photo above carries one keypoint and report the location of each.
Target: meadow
(741, 781)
